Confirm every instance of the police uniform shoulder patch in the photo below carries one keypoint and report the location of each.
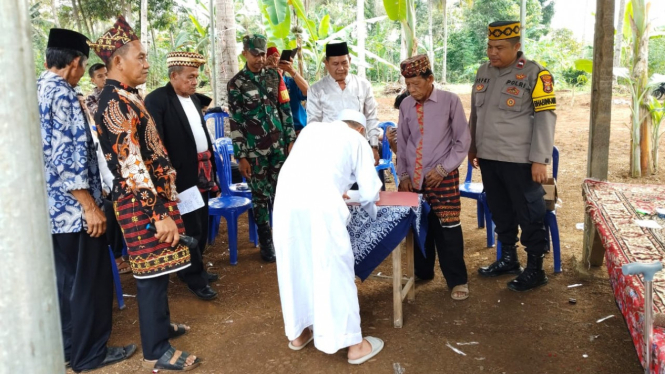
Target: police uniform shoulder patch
(543, 93)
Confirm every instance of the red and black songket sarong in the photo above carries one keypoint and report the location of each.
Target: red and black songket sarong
(444, 200)
(206, 180)
(147, 256)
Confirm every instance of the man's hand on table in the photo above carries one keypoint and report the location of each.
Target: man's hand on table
(405, 185)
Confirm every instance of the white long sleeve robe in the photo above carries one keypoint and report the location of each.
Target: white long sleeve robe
(314, 256)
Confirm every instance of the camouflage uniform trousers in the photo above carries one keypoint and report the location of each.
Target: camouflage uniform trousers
(265, 170)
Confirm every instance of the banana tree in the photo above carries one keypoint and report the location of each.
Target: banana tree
(638, 16)
(404, 11)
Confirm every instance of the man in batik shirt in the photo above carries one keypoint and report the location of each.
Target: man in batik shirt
(143, 193)
(76, 215)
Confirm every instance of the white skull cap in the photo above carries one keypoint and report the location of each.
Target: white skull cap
(352, 115)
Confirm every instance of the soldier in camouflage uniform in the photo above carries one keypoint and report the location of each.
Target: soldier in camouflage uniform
(262, 131)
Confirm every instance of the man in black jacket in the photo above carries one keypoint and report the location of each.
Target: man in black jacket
(177, 114)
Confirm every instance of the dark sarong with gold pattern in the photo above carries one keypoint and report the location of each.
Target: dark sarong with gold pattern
(148, 257)
(444, 199)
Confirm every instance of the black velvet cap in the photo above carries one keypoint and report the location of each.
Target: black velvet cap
(68, 39)
(337, 49)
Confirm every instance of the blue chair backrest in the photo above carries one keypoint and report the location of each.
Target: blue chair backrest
(386, 152)
(219, 122)
(555, 162)
(555, 166)
(223, 165)
(469, 172)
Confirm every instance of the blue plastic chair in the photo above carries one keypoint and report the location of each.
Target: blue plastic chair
(475, 191)
(116, 278)
(551, 224)
(219, 122)
(386, 161)
(228, 206)
(237, 189)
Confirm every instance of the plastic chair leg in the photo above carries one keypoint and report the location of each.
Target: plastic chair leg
(253, 230)
(498, 250)
(232, 228)
(489, 225)
(480, 212)
(394, 172)
(556, 245)
(116, 281)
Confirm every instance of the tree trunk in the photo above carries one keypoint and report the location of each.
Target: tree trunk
(430, 10)
(444, 60)
(127, 9)
(360, 26)
(31, 339)
(619, 34)
(75, 10)
(54, 10)
(144, 25)
(227, 55)
(88, 29)
(639, 76)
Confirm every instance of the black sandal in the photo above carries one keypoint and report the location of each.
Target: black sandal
(172, 360)
(115, 355)
(177, 330)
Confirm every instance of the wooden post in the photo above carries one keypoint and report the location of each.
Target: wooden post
(601, 115)
(397, 286)
(31, 340)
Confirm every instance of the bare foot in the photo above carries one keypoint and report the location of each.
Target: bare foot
(359, 350)
(303, 338)
(175, 327)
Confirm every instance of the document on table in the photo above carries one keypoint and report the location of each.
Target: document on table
(354, 197)
(190, 200)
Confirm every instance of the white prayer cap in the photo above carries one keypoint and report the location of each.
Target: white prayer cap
(352, 115)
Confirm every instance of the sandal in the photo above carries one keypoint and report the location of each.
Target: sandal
(115, 355)
(172, 360)
(123, 266)
(178, 330)
(460, 289)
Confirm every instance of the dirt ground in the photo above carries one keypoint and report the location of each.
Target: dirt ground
(534, 332)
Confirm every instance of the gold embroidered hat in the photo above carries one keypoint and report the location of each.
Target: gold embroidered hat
(191, 59)
(114, 38)
(501, 30)
(415, 66)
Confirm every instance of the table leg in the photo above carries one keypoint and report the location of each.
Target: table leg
(410, 272)
(397, 286)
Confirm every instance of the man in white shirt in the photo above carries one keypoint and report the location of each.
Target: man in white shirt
(340, 90)
(314, 256)
(177, 114)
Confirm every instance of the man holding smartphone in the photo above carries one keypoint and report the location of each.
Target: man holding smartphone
(295, 83)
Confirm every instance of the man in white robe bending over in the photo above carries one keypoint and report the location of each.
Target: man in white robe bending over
(314, 256)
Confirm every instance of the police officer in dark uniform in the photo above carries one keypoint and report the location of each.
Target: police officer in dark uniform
(512, 129)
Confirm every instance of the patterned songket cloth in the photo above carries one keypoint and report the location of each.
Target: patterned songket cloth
(415, 66)
(113, 39)
(444, 199)
(190, 59)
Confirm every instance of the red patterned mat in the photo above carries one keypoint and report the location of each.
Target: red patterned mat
(613, 207)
